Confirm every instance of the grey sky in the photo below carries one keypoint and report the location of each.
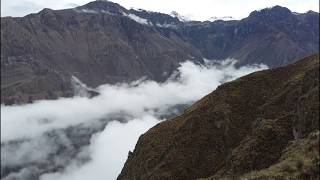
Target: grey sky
(197, 10)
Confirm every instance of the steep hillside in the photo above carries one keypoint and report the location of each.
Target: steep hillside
(102, 42)
(273, 36)
(262, 125)
(95, 43)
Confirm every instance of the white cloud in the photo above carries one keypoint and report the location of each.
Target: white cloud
(198, 10)
(109, 151)
(51, 114)
(26, 130)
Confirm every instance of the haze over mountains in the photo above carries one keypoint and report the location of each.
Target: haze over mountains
(102, 42)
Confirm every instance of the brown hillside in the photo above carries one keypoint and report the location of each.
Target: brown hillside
(244, 126)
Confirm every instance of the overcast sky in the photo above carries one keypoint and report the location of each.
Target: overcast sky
(195, 9)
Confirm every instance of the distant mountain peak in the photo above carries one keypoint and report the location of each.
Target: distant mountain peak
(46, 10)
(311, 12)
(102, 6)
(275, 11)
(180, 17)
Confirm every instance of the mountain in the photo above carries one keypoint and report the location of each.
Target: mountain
(98, 43)
(261, 126)
(273, 36)
(102, 42)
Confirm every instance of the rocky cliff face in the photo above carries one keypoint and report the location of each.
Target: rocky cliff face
(102, 42)
(263, 125)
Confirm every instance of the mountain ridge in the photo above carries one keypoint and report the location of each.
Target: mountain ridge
(102, 42)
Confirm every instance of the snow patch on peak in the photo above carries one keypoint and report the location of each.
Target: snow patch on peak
(180, 17)
(138, 19)
(90, 11)
(87, 11)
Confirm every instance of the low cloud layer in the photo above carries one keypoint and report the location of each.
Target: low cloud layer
(81, 138)
(109, 151)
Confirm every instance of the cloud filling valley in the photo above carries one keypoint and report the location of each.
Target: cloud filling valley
(83, 138)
